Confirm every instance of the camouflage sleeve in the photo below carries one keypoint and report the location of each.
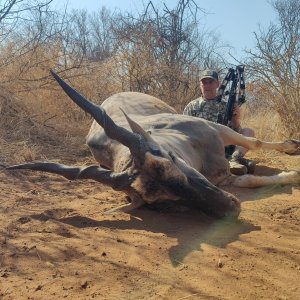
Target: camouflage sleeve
(192, 108)
(188, 109)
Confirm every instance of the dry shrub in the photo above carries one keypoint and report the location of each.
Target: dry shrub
(266, 124)
(96, 81)
(14, 121)
(37, 117)
(15, 131)
(26, 136)
(281, 107)
(26, 152)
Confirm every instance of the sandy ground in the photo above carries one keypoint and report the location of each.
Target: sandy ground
(55, 243)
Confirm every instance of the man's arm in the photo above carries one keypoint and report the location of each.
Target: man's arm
(186, 110)
(192, 108)
(236, 119)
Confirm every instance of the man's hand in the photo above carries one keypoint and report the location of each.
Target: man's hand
(236, 117)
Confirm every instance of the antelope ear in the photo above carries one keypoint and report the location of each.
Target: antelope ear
(136, 128)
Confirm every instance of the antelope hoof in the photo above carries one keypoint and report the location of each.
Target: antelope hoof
(296, 144)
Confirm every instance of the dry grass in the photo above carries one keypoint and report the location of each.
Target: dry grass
(266, 124)
(27, 135)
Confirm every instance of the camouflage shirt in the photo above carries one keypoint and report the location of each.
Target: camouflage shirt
(211, 110)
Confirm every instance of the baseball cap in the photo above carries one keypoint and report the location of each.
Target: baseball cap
(209, 74)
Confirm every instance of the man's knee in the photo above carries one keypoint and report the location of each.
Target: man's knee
(247, 132)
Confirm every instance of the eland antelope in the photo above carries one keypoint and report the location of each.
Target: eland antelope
(153, 154)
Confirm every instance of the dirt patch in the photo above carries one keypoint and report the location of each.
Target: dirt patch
(56, 243)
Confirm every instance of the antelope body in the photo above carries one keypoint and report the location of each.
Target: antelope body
(146, 149)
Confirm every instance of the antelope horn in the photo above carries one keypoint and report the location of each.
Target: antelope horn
(112, 130)
(117, 181)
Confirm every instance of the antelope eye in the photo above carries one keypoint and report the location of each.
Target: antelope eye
(156, 152)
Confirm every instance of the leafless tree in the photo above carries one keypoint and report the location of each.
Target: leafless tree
(24, 26)
(14, 11)
(85, 38)
(275, 64)
(101, 35)
(162, 50)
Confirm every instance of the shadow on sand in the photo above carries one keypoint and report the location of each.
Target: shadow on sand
(190, 228)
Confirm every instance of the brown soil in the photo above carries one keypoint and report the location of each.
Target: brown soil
(56, 243)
